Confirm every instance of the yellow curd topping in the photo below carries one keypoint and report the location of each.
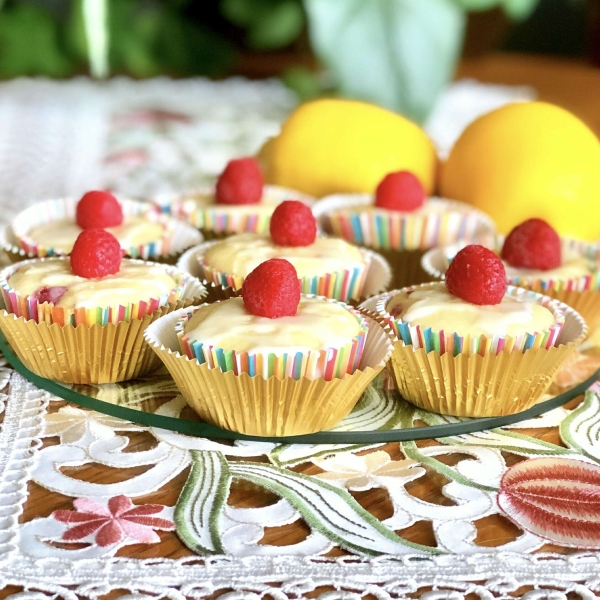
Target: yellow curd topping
(134, 282)
(317, 325)
(265, 207)
(438, 309)
(573, 267)
(240, 254)
(134, 231)
(431, 206)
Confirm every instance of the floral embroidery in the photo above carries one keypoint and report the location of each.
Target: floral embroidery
(71, 424)
(112, 523)
(364, 472)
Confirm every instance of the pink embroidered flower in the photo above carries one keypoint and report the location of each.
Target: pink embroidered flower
(121, 518)
(556, 498)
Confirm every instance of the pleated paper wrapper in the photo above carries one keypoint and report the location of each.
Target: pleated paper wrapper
(92, 352)
(344, 286)
(483, 383)
(329, 364)
(402, 237)
(267, 407)
(177, 235)
(581, 294)
(217, 221)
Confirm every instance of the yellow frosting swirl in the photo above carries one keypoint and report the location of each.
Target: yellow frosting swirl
(573, 266)
(135, 281)
(436, 308)
(265, 206)
(61, 235)
(318, 325)
(240, 254)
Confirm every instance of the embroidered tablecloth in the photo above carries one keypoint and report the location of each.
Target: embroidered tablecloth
(91, 505)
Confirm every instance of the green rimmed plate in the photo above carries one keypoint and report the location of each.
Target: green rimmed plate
(380, 416)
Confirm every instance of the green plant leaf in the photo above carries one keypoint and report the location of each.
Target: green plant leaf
(276, 26)
(329, 510)
(396, 53)
(202, 501)
(519, 9)
(239, 12)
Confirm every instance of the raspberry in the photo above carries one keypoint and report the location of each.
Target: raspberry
(96, 253)
(97, 210)
(477, 275)
(533, 244)
(400, 191)
(272, 290)
(49, 294)
(293, 224)
(240, 183)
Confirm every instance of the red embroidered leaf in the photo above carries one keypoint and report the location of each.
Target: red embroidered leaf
(154, 522)
(81, 531)
(555, 498)
(119, 504)
(143, 509)
(109, 534)
(71, 516)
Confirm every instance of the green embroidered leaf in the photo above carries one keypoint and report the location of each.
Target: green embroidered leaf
(329, 510)
(581, 429)
(509, 441)
(201, 503)
(396, 53)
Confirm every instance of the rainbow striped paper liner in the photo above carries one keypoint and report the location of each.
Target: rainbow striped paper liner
(343, 285)
(582, 293)
(268, 407)
(342, 215)
(220, 218)
(327, 363)
(31, 309)
(177, 235)
(442, 342)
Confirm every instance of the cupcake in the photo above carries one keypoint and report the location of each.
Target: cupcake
(239, 202)
(401, 223)
(261, 364)
(81, 319)
(536, 258)
(328, 267)
(473, 347)
(50, 228)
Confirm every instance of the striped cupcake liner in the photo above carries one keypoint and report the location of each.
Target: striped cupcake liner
(443, 342)
(31, 309)
(177, 236)
(330, 363)
(344, 286)
(223, 218)
(342, 216)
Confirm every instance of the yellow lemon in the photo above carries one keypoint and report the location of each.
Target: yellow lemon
(529, 160)
(333, 145)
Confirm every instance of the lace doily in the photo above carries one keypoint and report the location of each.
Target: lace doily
(89, 538)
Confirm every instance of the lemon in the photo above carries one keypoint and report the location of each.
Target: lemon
(529, 160)
(332, 145)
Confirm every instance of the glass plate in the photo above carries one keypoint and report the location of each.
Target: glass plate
(381, 415)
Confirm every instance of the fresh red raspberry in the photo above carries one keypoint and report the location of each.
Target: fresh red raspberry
(96, 253)
(240, 183)
(400, 191)
(272, 290)
(49, 294)
(477, 275)
(293, 224)
(97, 210)
(533, 244)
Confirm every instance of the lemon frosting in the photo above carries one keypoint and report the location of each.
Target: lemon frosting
(240, 254)
(265, 206)
(436, 308)
(135, 281)
(61, 235)
(573, 266)
(318, 325)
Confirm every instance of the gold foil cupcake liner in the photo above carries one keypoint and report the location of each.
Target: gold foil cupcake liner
(266, 407)
(340, 286)
(95, 353)
(217, 221)
(177, 235)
